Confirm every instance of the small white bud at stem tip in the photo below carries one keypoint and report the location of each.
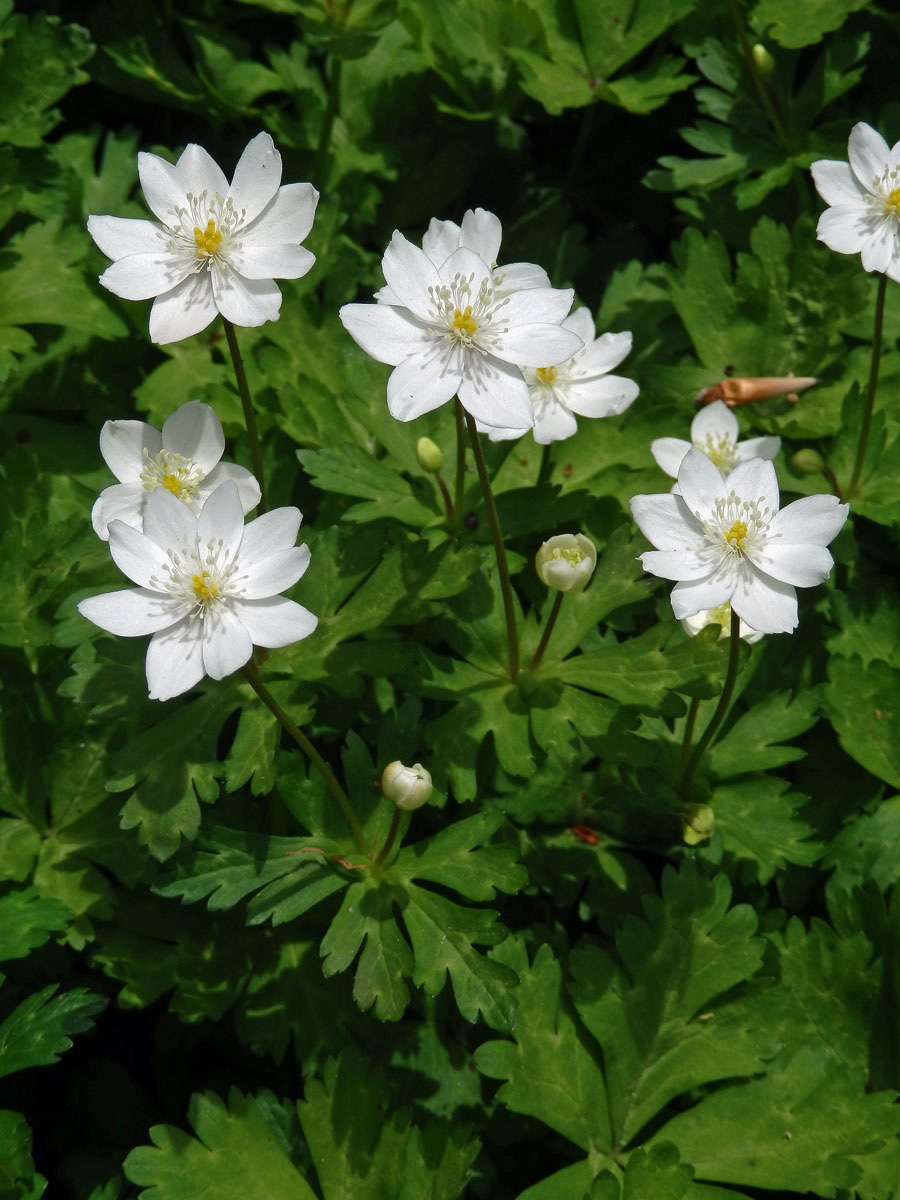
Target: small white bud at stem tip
(429, 455)
(407, 787)
(566, 562)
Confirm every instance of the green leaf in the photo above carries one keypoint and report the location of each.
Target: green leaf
(662, 1022)
(753, 741)
(39, 62)
(26, 922)
(863, 705)
(17, 1176)
(40, 1029)
(758, 822)
(234, 1156)
(868, 847)
(352, 471)
(252, 754)
(806, 23)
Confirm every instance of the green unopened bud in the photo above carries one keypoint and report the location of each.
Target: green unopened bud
(697, 823)
(429, 455)
(765, 63)
(808, 462)
(566, 562)
(407, 787)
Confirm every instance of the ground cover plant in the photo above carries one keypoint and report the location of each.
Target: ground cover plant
(450, 638)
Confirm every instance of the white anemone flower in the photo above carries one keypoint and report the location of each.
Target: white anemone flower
(864, 199)
(720, 616)
(217, 247)
(579, 387)
(725, 541)
(183, 459)
(482, 232)
(451, 333)
(714, 431)
(207, 587)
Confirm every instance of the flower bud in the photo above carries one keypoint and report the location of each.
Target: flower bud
(566, 562)
(407, 787)
(719, 616)
(808, 462)
(765, 63)
(429, 455)
(697, 823)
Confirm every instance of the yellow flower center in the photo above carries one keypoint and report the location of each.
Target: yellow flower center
(572, 554)
(177, 474)
(204, 588)
(462, 321)
(892, 204)
(722, 450)
(546, 374)
(721, 616)
(208, 240)
(736, 535)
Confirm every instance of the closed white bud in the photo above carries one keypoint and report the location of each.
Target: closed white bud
(566, 562)
(407, 787)
(429, 455)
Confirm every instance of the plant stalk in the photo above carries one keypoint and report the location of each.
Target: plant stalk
(686, 778)
(548, 630)
(689, 733)
(460, 463)
(866, 425)
(249, 415)
(322, 165)
(389, 840)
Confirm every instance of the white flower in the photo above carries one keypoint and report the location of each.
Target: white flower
(480, 231)
(566, 562)
(217, 247)
(207, 587)
(406, 787)
(714, 430)
(580, 386)
(720, 616)
(725, 541)
(183, 459)
(864, 199)
(451, 333)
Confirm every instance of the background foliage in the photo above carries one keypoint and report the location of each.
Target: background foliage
(509, 1010)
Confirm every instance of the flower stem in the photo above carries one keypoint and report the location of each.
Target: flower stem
(322, 167)
(689, 732)
(249, 415)
(866, 423)
(512, 636)
(772, 112)
(389, 840)
(683, 787)
(448, 502)
(460, 463)
(311, 753)
(548, 629)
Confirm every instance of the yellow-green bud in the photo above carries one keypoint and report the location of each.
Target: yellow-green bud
(407, 787)
(429, 455)
(566, 562)
(808, 462)
(697, 823)
(765, 63)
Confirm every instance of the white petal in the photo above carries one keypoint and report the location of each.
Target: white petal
(717, 421)
(287, 219)
(813, 519)
(765, 604)
(761, 447)
(282, 261)
(195, 432)
(275, 574)
(120, 236)
(604, 353)
(135, 554)
(184, 311)
(256, 176)
(198, 171)
(276, 621)
(754, 480)
(700, 483)
(536, 345)
(245, 302)
(678, 564)
(691, 595)
(440, 240)
(582, 323)
(553, 423)
(604, 397)
(803, 565)
(244, 481)
(168, 522)
(878, 250)
(122, 444)
(140, 276)
(409, 272)
(418, 384)
(481, 231)
(162, 186)
(842, 229)
(496, 394)
(269, 534)
(175, 659)
(516, 276)
(541, 306)
(836, 183)
(384, 295)
(868, 153)
(121, 502)
(222, 517)
(669, 453)
(501, 434)
(132, 612)
(226, 643)
(667, 523)
(465, 262)
(389, 334)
